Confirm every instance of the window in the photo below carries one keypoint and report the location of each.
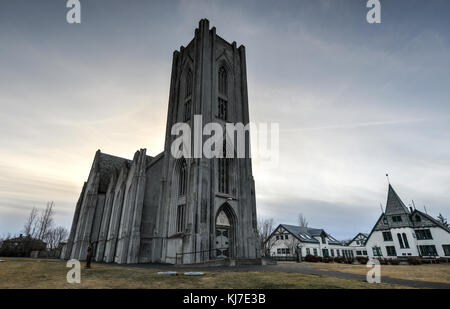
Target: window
(423, 234)
(325, 253)
(418, 218)
(323, 239)
(287, 251)
(286, 236)
(385, 221)
(446, 250)
(358, 253)
(391, 251)
(277, 237)
(387, 236)
(427, 250)
(278, 251)
(183, 178)
(377, 251)
(315, 252)
(223, 94)
(188, 97)
(308, 251)
(400, 240)
(337, 252)
(397, 218)
(364, 252)
(332, 252)
(223, 171)
(180, 218)
(405, 240)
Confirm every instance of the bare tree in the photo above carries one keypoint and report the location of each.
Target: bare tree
(302, 220)
(55, 236)
(45, 222)
(31, 223)
(265, 228)
(442, 220)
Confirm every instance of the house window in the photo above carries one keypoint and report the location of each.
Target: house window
(308, 251)
(223, 171)
(446, 250)
(286, 236)
(358, 253)
(183, 178)
(423, 234)
(188, 97)
(278, 251)
(278, 237)
(337, 252)
(181, 213)
(223, 94)
(325, 253)
(396, 218)
(315, 252)
(287, 251)
(385, 221)
(391, 251)
(405, 240)
(364, 252)
(400, 240)
(332, 252)
(418, 218)
(427, 250)
(377, 251)
(387, 236)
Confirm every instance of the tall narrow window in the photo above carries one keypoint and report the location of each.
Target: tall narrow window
(405, 241)
(182, 181)
(223, 171)
(400, 240)
(188, 97)
(222, 112)
(181, 213)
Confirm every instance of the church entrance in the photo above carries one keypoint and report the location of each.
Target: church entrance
(223, 235)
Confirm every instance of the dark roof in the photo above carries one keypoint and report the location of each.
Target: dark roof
(437, 222)
(363, 234)
(394, 205)
(307, 234)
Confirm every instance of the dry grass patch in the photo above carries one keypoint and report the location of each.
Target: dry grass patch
(428, 272)
(34, 273)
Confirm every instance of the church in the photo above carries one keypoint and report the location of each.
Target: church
(165, 209)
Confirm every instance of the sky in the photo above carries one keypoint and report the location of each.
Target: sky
(353, 100)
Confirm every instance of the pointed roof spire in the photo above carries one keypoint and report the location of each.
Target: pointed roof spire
(394, 204)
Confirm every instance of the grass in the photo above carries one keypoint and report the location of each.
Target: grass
(428, 272)
(24, 273)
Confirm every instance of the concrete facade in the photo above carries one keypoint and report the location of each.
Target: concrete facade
(135, 211)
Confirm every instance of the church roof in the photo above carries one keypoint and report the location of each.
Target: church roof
(394, 204)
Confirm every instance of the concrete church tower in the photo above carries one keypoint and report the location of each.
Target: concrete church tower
(177, 210)
(217, 206)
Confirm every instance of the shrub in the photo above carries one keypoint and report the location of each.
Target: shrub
(414, 261)
(394, 261)
(362, 259)
(312, 258)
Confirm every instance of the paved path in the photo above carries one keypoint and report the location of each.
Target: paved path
(298, 268)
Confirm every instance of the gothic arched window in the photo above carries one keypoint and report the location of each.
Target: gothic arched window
(223, 94)
(182, 181)
(224, 171)
(188, 96)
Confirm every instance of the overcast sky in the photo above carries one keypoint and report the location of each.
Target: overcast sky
(353, 100)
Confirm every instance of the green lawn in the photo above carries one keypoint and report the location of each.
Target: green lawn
(40, 273)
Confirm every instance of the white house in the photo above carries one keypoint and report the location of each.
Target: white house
(286, 241)
(403, 232)
(358, 243)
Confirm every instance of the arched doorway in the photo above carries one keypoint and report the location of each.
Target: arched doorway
(224, 232)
